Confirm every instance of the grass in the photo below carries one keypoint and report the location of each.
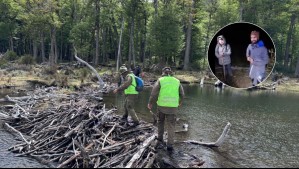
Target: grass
(18, 78)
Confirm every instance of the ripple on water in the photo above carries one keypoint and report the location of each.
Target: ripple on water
(8, 159)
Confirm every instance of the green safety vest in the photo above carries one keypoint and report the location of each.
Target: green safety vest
(131, 89)
(169, 92)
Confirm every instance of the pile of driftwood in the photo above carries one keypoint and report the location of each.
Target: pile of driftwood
(76, 130)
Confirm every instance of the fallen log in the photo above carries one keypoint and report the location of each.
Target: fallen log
(142, 148)
(219, 141)
(101, 83)
(13, 129)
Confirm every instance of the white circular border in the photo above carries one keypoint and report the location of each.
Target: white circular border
(207, 54)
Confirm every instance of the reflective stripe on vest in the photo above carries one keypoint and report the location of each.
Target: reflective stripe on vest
(131, 89)
(169, 92)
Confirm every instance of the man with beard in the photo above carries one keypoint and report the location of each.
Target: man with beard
(257, 55)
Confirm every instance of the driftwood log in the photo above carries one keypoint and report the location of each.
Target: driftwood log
(101, 83)
(219, 141)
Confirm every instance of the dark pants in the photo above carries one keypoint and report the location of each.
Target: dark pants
(129, 107)
(228, 70)
(168, 116)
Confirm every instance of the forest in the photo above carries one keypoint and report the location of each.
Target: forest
(53, 110)
(146, 32)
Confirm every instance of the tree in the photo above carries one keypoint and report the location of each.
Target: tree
(166, 33)
(188, 39)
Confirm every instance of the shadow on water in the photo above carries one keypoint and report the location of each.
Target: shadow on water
(264, 125)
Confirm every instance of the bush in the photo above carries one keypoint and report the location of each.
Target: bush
(11, 56)
(26, 60)
(200, 64)
(49, 70)
(83, 74)
(3, 63)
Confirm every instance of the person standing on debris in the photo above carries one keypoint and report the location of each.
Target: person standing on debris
(137, 71)
(257, 55)
(168, 93)
(131, 94)
(223, 52)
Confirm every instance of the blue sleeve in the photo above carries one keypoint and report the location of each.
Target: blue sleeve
(264, 58)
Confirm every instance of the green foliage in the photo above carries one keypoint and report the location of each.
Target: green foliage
(200, 64)
(83, 74)
(162, 36)
(80, 36)
(27, 60)
(50, 70)
(11, 56)
(3, 63)
(166, 37)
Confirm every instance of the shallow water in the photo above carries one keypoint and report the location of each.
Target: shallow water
(264, 130)
(7, 158)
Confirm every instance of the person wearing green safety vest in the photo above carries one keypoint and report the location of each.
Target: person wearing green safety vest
(168, 93)
(131, 95)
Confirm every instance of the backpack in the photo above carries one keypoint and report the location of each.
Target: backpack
(139, 84)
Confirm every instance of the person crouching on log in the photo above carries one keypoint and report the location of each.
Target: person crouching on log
(131, 95)
(168, 93)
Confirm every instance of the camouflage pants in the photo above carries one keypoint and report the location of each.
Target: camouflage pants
(129, 107)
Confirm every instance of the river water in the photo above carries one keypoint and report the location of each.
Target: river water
(264, 132)
(7, 158)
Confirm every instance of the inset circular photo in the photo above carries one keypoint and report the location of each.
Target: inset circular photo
(242, 55)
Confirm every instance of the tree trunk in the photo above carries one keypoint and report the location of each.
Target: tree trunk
(52, 51)
(297, 68)
(132, 38)
(290, 33)
(61, 45)
(11, 43)
(97, 26)
(34, 49)
(116, 35)
(43, 47)
(207, 38)
(55, 47)
(104, 45)
(241, 10)
(131, 41)
(143, 42)
(156, 7)
(119, 44)
(188, 39)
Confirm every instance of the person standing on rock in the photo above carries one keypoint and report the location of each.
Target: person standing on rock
(131, 95)
(257, 55)
(168, 93)
(223, 52)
